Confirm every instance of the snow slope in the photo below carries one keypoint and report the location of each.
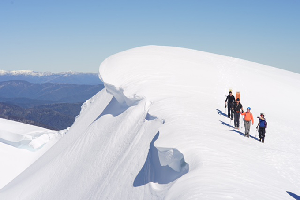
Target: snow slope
(159, 131)
(20, 146)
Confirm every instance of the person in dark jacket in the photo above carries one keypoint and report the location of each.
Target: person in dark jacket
(237, 109)
(231, 100)
(262, 125)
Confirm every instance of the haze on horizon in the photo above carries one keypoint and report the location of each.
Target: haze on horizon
(59, 36)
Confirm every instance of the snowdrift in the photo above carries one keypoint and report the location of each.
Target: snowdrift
(159, 131)
(24, 135)
(30, 140)
(20, 146)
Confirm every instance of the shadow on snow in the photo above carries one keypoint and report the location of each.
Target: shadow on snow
(221, 113)
(24, 144)
(293, 195)
(237, 131)
(230, 126)
(153, 171)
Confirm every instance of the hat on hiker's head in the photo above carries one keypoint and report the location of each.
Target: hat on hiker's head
(230, 92)
(237, 99)
(262, 114)
(248, 108)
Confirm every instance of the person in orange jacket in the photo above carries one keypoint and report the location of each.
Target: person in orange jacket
(248, 118)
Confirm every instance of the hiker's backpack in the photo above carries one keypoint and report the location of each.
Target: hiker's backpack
(263, 123)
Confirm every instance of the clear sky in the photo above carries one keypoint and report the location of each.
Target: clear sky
(62, 35)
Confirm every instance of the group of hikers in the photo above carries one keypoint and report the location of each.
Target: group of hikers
(235, 109)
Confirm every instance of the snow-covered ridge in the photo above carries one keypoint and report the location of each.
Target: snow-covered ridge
(186, 87)
(158, 130)
(34, 73)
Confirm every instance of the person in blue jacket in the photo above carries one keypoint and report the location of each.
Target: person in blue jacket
(262, 125)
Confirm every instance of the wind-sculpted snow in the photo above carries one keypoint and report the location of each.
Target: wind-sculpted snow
(162, 166)
(185, 88)
(30, 141)
(20, 146)
(25, 136)
(159, 131)
(111, 143)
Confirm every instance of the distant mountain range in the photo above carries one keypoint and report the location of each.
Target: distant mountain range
(45, 99)
(52, 116)
(48, 77)
(27, 94)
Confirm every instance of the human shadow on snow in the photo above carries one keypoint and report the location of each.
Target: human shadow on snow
(221, 113)
(230, 126)
(237, 131)
(293, 195)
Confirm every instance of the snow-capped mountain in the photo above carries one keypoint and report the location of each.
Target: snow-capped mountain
(159, 130)
(48, 77)
(26, 73)
(34, 73)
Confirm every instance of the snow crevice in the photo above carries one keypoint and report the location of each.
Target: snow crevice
(162, 166)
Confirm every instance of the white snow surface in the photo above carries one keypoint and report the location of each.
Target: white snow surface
(20, 146)
(158, 130)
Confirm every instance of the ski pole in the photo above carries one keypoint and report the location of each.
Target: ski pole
(256, 131)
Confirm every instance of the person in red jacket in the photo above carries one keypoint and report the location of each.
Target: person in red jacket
(248, 118)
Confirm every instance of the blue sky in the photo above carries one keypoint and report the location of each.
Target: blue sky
(61, 35)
